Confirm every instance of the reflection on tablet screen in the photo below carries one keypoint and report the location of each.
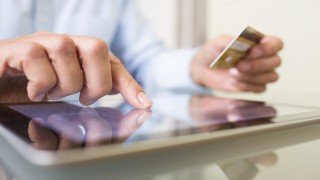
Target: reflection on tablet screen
(60, 125)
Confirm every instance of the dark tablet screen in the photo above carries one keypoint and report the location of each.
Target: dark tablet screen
(66, 125)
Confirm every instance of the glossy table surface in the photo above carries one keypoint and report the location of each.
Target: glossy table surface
(295, 161)
(291, 153)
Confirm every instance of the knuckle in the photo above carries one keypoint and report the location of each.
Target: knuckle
(33, 51)
(63, 44)
(98, 47)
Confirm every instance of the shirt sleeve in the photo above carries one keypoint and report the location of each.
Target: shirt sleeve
(146, 58)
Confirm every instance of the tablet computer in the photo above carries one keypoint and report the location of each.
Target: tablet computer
(53, 133)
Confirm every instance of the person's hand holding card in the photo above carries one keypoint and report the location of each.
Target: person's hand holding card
(251, 73)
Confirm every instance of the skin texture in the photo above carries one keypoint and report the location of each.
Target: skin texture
(51, 66)
(250, 75)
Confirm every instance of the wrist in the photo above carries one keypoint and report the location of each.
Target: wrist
(195, 69)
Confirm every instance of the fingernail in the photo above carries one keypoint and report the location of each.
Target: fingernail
(40, 97)
(144, 100)
(245, 67)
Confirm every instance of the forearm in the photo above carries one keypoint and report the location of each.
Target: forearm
(169, 70)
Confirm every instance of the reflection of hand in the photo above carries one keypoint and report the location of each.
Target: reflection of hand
(268, 159)
(249, 111)
(89, 127)
(252, 74)
(246, 168)
(216, 111)
(206, 107)
(54, 66)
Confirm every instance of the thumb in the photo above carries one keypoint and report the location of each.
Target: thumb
(127, 86)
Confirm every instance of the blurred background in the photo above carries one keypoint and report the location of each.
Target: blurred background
(190, 23)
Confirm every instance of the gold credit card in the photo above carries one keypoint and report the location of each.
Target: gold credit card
(238, 49)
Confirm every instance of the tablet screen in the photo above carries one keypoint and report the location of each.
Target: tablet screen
(65, 125)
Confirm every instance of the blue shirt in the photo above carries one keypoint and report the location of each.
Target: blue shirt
(117, 22)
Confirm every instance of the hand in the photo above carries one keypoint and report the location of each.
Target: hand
(210, 113)
(54, 66)
(250, 75)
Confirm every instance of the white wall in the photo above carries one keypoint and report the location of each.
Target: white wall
(297, 22)
(162, 17)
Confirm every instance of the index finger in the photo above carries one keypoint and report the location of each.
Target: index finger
(124, 83)
(269, 46)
